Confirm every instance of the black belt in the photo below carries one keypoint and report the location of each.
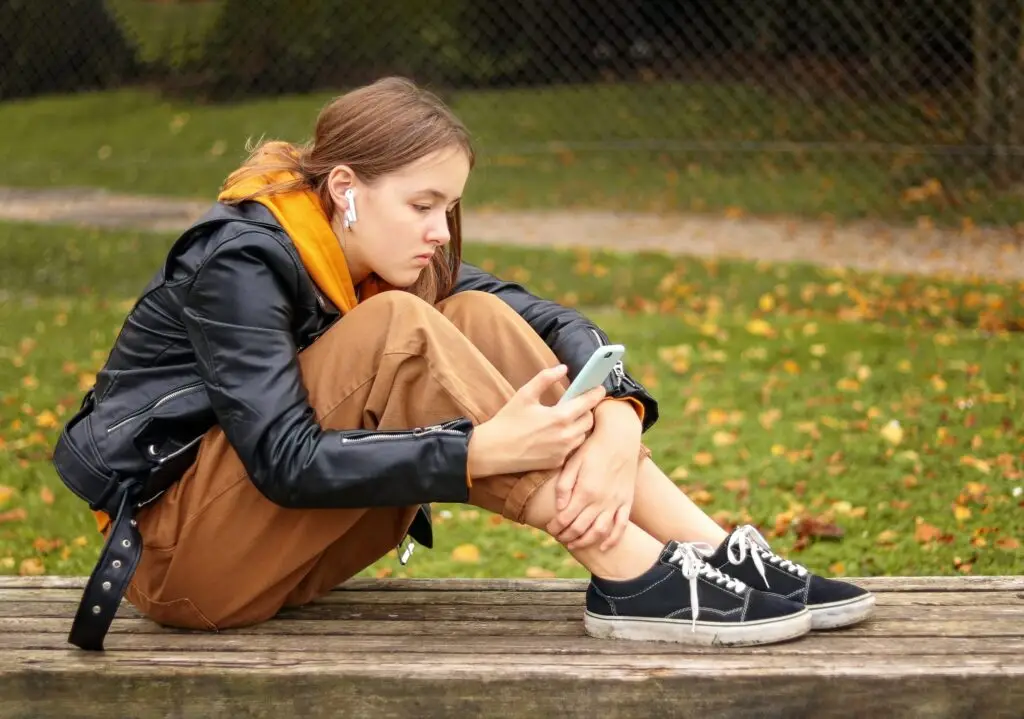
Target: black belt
(109, 579)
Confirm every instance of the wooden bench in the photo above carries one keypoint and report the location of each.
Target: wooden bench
(937, 647)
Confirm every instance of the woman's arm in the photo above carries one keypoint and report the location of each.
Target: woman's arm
(569, 334)
(239, 317)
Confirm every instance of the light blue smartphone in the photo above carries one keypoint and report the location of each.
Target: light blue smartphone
(600, 364)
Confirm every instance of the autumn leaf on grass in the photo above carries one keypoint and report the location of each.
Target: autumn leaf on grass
(979, 464)
(539, 573)
(817, 528)
(5, 494)
(848, 384)
(723, 439)
(892, 432)
(740, 487)
(925, 533)
(1008, 543)
(46, 495)
(703, 459)
(886, 538)
(14, 515)
(700, 497)
(31, 567)
(760, 328)
(46, 419)
(769, 417)
(45, 546)
(466, 554)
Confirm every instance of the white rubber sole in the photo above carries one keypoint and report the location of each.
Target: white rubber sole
(842, 614)
(708, 634)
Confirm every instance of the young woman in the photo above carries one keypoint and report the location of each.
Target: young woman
(313, 365)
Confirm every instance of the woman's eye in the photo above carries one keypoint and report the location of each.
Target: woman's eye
(422, 208)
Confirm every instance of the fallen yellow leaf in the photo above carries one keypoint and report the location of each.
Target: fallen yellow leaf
(886, 537)
(5, 494)
(717, 417)
(892, 432)
(538, 573)
(961, 512)
(759, 328)
(14, 515)
(703, 459)
(979, 464)
(466, 554)
(31, 567)
(722, 438)
(46, 494)
(700, 497)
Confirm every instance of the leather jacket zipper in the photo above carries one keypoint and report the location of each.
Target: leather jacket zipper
(418, 432)
(149, 408)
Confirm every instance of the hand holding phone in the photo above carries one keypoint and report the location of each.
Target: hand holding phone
(594, 372)
(527, 434)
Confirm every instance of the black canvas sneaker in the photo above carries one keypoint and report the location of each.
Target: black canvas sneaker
(683, 599)
(745, 554)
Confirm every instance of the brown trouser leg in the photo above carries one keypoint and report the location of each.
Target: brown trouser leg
(219, 554)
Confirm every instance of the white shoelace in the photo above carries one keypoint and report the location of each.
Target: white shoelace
(747, 539)
(687, 558)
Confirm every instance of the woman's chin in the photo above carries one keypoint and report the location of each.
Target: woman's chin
(402, 279)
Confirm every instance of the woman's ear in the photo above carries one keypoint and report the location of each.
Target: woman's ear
(339, 179)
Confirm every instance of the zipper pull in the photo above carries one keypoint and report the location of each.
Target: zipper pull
(403, 558)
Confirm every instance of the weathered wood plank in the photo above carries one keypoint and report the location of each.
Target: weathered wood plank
(875, 584)
(455, 630)
(937, 647)
(441, 664)
(829, 644)
(217, 684)
(563, 599)
(511, 612)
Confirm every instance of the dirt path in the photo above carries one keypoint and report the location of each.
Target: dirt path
(991, 253)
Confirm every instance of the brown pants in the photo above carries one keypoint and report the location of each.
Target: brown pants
(218, 554)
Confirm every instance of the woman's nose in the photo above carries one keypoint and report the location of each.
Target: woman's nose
(439, 233)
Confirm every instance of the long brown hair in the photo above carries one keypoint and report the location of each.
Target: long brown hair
(375, 130)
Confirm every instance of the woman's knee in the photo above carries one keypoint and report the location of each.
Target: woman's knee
(394, 301)
(465, 307)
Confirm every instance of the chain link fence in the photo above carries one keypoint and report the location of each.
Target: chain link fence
(900, 111)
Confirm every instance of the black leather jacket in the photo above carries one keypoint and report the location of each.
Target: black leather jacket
(213, 340)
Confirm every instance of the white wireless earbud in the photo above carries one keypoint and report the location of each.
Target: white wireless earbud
(350, 213)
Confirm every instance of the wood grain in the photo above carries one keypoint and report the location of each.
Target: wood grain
(936, 647)
(875, 584)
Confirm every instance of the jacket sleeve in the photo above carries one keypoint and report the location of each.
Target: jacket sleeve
(239, 317)
(570, 335)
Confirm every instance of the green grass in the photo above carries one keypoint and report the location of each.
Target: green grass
(549, 147)
(776, 383)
